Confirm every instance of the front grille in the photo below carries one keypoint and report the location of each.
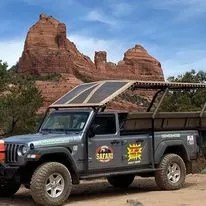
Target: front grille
(11, 152)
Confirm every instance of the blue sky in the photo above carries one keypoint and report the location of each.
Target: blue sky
(173, 31)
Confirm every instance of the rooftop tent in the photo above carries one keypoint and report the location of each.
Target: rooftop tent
(101, 92)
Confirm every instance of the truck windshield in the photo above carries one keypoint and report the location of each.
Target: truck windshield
(65, 122)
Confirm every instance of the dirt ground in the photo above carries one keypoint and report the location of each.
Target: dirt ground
(141, 192)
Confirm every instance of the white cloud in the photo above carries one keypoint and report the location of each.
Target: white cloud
(88, 46)
(174, 68)
(11, 50)
(184, 60)
(99, 16)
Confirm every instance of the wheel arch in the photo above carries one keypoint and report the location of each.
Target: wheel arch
(61, 155)
(66, 160)
(176, 147)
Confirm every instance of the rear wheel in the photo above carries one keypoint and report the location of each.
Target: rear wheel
(51, 184)
(8, 187)
(121, 181)
(172, 172)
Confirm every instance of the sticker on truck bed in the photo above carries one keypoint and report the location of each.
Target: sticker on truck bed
(190, 140)
(104, 154)
(134, 153)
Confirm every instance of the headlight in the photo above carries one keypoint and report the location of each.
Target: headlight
(23, 149)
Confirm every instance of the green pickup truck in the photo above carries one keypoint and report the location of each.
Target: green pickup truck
(78, 139)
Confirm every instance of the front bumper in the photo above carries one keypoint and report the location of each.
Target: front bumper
(8, 172)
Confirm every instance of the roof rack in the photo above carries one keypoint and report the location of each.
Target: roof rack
(170, 85)
(98, 94)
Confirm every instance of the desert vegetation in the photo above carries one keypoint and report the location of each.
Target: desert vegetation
(19, 102)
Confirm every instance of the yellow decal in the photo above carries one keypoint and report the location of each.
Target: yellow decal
(134, 152)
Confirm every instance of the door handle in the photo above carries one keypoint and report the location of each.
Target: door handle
(139, 140)
(115, 142)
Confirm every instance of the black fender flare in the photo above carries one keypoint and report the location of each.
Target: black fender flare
(47, 151)
(161, 148)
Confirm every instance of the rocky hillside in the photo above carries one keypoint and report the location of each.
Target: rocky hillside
(47, 50)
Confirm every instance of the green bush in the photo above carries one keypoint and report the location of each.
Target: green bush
(19, 103)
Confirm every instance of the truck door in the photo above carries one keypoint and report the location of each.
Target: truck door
(105, 146)
(136, 150)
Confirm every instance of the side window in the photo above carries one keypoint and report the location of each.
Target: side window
(105, 124)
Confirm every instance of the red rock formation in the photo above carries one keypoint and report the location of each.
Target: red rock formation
(137, 64)
(100, 60)
(47, 50)
(141, 62)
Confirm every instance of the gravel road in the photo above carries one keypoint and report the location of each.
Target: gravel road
(141, 192)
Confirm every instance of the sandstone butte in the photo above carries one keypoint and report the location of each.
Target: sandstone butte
(47, 50)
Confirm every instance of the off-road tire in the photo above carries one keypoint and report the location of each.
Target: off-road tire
(121, 181)
(38, 184)
(8, 188)
(161, 177)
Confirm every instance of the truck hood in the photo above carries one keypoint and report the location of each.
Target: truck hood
(39, 140)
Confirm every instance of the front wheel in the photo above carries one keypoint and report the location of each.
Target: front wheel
(51, 184)
(121, 181)
(8, 187)
(171, 172)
